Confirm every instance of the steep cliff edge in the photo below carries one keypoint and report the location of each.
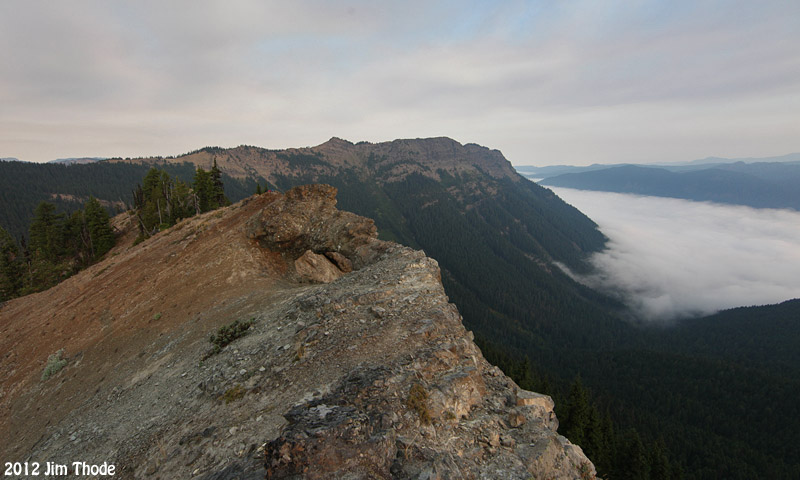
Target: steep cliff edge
(355, 365)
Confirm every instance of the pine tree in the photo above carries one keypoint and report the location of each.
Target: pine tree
(98, 224)
(10, 267)
(77, 243)
(218, 198)
(204, 190)
(593, 435)
(258, 189)
(660, 468)
(181, 201)
(47, 249)
(46, 232)
(632, 462)
(604, 459)
(163, 201)
(577, 414)
(150, 184)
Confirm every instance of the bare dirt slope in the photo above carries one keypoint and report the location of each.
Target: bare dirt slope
(110, 318)
(355, 366)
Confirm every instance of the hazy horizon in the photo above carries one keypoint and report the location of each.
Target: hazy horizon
(670, 258)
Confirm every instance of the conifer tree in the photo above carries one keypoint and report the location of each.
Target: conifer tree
(217, 188)
(204, 190)
(578, 414)
(98, 223)
(150, 184)
(47, 249)
(77, 243)
(181, 201)
(593, 434)
(632, 462)
(659, 462)
(46, 232)
(10, 267)
(604, 459)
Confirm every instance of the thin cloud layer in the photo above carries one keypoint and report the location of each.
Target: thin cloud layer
(670, 258)
(546, 82)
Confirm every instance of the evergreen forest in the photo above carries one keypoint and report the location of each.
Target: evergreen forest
(59, 245)
(23, 185)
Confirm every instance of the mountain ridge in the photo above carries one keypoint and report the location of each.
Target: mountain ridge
(343, 356)
(428, 154)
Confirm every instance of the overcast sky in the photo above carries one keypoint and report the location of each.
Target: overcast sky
(672, 258)
(545, 82)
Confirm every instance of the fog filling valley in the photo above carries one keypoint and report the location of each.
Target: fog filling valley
(669, 258)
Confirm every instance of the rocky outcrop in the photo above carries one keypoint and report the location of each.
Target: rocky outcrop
(426, 404)
(316, 268)
(306, 219)
(356, 365)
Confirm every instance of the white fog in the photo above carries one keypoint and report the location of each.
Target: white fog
(669, 258)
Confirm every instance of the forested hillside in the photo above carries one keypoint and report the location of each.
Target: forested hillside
(730, 379)
(23, 185)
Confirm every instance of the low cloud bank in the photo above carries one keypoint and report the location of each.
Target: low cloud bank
(670, 259)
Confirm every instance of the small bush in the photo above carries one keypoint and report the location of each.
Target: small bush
(226, 334)
(301, 351)
(54, 364)
(418, 401)
(234, 393)
(585, 471)
(157, 316)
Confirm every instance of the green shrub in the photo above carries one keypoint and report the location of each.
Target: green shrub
(418, 401)
(585, 470)
(54, 364)
(226, 334)
(234, 393)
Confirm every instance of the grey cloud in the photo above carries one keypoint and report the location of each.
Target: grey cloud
(670, 258)
(566, 80)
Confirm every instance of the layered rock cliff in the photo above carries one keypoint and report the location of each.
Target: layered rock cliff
(381, 162)
(354, 363)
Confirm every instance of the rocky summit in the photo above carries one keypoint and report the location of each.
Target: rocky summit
(276, 337)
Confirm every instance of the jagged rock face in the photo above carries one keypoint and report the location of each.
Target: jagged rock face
(306, 219)
(367, 374)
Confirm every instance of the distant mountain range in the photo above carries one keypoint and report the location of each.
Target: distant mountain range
(789, 157)
(759, 184)
(532, 171)
(79, 160)
(65, 161)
